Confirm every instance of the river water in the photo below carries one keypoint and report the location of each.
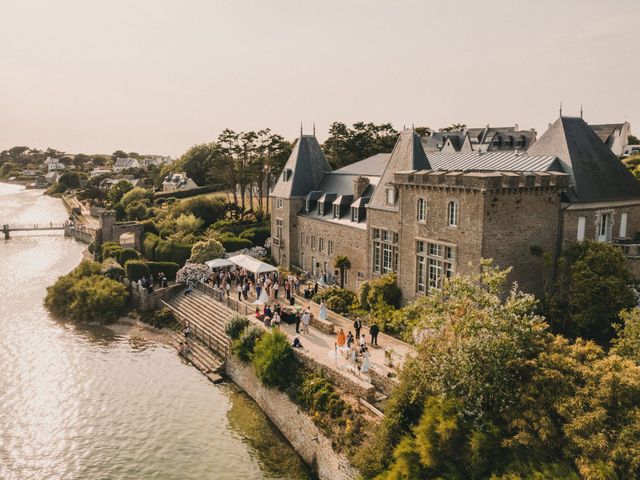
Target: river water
(86, 403)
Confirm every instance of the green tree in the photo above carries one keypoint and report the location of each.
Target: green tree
(593, 287)
(196, 163)
(136, 194)
(627, 343)
(206, 250)
(137, 210)
(273, 359)
(69, 180)
(346, 145)
(117, 191)
(343, 264)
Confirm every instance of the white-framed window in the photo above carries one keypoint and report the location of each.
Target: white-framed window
(354, 214)
(279, 203)
(302, 239)
(452, 213)
(321, 244)
(307, 205)
(302, 261)
(623, 224)
(321, 208)
(421, 214)
(434, 263)
(385, 251)
(279, 225)
(390, 196)
(313, 242)
(582, 222)
(604, 226)
(336, 211)
(330, 247)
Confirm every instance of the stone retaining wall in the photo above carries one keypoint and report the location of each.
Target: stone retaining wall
(297, 427)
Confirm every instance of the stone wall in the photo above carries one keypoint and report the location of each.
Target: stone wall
(347, 240)
(514, 221)
(297, 427)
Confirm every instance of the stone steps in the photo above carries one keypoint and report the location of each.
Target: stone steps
(206, 316)
(202, 358)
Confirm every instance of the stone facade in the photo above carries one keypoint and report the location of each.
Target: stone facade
(297, 427)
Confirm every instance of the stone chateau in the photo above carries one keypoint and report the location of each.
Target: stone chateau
(430, 213)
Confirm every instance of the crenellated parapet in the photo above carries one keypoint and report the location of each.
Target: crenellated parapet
(482, 181)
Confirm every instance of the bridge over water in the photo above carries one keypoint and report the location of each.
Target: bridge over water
(32, 227)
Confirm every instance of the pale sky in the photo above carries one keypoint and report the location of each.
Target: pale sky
(157, 76)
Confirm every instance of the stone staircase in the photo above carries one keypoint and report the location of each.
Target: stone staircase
(202, 358)
(207, 319)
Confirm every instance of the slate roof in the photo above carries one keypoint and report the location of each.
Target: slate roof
(372, 166)
(306, 165)
(596, 173)
(605, 130)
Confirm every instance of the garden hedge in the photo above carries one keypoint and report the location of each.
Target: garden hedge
(127, 255)
(233, 244)
(136, 269)
(168, 268)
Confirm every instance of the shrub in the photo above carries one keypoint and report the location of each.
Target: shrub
(126, 255)
(364, 294)
(206, 250)
(209, 210)
(86, 295)
(233, 244)
(384, 291)
(138, 210)
(137, 194)
(170, 251)
(136, 269)
(273, 360)
(112, 269)
(110, 250)
(150, 227)
(257, 235)
(244, 346)
(235, 326)
(339, 300)
(317, 394)
(169, 269)
(192, 273)
(149, 244)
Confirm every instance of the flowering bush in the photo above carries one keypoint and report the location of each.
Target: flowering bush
(192, 273)
(255, 252)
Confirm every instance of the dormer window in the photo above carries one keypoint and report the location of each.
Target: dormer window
(321, 208)
(336, 211)
(390, 196)
(307, 206)
(355, 215)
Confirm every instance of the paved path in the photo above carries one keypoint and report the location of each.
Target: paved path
(321, 346)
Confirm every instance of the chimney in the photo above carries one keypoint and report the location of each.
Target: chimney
(360, 184)
(517, 128)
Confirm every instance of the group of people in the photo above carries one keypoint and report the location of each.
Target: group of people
(149, 282)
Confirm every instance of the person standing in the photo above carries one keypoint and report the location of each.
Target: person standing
(357, 325)
(323, 310)
(374, 330)
(239, 288)
(297, 322)
(306, 319)
(365, 361)
(276, 287)
(342, 339)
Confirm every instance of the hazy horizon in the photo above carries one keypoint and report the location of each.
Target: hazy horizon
(160, 76)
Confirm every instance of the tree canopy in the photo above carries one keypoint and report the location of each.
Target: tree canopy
(346, 145)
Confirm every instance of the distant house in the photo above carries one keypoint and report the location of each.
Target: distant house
(125, 163)
(107, 183)
(53, 164)
(99, 171)
(155, 160)
(482, 139)
(175, 182)
(614, 135)
(51, 177)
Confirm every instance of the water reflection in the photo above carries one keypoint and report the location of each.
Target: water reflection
(85, 402)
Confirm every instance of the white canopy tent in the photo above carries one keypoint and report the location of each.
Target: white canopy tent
(219, 263)
(252, 264)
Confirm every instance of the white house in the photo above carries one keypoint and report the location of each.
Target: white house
(175, 182)
(125, 163)
(99, 171)
(53, 164)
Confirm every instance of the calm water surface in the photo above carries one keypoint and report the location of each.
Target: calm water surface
(84, 403)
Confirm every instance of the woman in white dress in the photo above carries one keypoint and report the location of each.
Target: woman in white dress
(323, 310)
(365, 361)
